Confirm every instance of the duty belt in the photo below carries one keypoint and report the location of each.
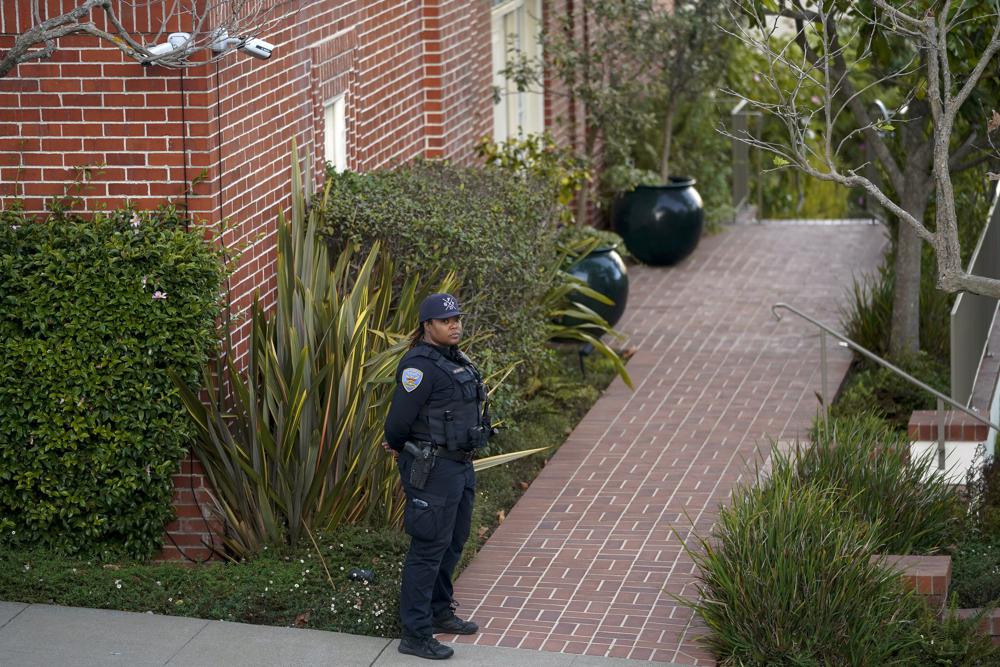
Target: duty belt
(457, 455)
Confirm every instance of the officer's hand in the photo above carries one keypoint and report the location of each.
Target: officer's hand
(385, 445)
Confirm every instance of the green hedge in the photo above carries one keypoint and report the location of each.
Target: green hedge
(91, 428)
(496, 231)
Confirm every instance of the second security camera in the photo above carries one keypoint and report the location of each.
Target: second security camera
(257, 48)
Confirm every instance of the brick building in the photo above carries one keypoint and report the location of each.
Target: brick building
(363, 84)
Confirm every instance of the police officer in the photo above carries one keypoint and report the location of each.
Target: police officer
(439, 416)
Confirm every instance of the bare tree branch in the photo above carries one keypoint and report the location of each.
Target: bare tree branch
(823, 66)
(204, 23)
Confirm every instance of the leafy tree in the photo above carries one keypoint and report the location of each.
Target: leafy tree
(934, 63)
(636, 64)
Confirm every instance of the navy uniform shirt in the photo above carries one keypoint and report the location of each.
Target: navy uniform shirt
(418, 382)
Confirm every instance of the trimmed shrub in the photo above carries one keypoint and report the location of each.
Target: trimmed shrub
(496, 231)
(786, 579)
(93, 313)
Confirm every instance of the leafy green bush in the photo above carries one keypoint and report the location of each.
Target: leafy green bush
(93, 314)
(911, 505)
(495, 231)
(539, 157)
(975, 571)
(787, 579)
(983, 488)
(891, 397)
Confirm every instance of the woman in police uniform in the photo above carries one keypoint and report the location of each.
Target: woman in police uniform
(438, 418)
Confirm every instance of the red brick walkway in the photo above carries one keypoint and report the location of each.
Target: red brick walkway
(587, 560)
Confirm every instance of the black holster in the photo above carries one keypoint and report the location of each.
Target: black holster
(423, 463)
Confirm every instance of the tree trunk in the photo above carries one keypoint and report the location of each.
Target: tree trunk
(591, 139)
(904, 337)
(668, 134)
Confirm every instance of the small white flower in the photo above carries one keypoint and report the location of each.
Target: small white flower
(118, 583)
(136, 221)
(159, 295)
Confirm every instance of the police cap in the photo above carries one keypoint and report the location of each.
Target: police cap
(439, 306)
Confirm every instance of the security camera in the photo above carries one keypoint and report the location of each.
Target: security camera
(254, 46)
(160, 49)
(176, 41)
(257, 48)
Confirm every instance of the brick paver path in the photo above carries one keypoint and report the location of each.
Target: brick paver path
(587, 559)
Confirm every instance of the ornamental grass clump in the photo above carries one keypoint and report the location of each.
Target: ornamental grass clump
(867, 464)
(297, 447)
(786, 578)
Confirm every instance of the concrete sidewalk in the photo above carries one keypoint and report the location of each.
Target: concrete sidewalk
(49, 636)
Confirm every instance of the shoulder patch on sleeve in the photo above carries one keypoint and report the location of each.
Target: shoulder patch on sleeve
(411, 378)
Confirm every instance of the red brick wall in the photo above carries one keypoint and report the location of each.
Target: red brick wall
(195, 535)
(416, 76)
(416, 80)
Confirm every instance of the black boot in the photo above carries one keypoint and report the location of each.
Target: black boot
(425, 647)
(453, 625)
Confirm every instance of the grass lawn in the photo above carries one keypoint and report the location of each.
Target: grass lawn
(308, 586)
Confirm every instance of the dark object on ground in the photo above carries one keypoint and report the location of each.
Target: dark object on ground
(360, 574)
(604, 271)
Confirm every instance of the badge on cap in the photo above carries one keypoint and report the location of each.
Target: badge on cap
(450, 303)
(411, 378)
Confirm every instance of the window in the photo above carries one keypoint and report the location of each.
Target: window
(335, 133)
(515, 31)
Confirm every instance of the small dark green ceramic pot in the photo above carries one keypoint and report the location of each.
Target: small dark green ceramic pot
(604, 271)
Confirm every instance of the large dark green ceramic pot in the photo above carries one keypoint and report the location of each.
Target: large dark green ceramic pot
(660, 224)
(604, 271)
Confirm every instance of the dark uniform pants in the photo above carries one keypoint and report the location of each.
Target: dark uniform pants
(437, 519)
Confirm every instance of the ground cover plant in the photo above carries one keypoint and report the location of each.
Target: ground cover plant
(94, 314)
(293, 586)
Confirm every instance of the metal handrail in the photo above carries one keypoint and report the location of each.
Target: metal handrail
(942, 399)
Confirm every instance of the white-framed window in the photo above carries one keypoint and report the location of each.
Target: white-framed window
(335, 133)
(515, 31)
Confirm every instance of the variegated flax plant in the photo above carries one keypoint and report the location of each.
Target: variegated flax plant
(297, 444)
